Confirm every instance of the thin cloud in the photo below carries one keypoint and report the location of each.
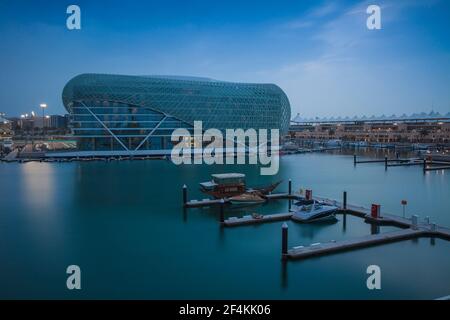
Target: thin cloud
(311, 17)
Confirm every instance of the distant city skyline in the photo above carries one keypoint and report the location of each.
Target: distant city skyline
(320, 53)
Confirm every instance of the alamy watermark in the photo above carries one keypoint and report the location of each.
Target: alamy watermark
(374, 20)
(240, 145)
(374, 280)
(73, 281)
(73, 21)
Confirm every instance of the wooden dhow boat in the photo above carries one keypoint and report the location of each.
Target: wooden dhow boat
(227, 185)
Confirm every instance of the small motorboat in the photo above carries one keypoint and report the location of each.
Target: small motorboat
(257, 216)
(300, 203)
(248, 198)
(315, 212)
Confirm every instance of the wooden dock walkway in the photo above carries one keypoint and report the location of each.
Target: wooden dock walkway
(362, 242)
(436, 168)
(212, 202)
(428, 165)
(406, 164)
(279, 196)
(410, 227)
(319, 249)
(205, 203)
(381, 161)
(246, 220)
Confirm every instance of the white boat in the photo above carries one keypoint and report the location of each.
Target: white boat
(7, 143)
(315, 212)
(420, 146)
(363, 144)
(358, 144)
(290, 146)
(443, 156)
(334, 143)
(384, 145)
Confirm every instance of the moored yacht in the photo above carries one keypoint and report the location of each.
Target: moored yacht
(315, 212)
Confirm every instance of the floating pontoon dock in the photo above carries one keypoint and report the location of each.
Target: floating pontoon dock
(422, 230)
(428, 165)
(411, 228)
(245, 220)
(302, 252)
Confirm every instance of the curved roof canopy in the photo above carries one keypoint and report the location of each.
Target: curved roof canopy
(218, 104)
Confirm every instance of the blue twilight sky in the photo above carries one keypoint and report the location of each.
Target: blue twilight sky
(319, 52)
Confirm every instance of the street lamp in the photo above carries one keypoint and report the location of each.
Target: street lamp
(43, 107)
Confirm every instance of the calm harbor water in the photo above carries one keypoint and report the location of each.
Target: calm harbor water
(123, 224)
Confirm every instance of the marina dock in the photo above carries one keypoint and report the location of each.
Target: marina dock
(413, 232)
(212, 202)
(412, 228)
(246, 220)
(381, 161)
(301, 252)
(204, 203)
(281, 196)
(427, 165)
(409, 228)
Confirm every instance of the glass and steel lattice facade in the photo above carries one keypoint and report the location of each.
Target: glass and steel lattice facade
(114, 114)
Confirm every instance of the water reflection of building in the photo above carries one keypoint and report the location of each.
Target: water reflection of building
(128, 115)
(423, 128)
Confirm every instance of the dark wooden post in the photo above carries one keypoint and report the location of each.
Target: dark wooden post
(184, 195)
(385, 162)
(284, 240)
(344, 200)
(290, 187)
(222, 214)
(344, 223)
(354, 159)
(424, 165)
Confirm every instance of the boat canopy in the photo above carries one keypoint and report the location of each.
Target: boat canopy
(209, 185)
(228, 178)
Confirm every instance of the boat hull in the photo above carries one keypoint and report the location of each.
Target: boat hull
(316, 213)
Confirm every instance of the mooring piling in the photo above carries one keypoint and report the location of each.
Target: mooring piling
(284, 240)
(344, 222)
(290, 187)
(184, 195)
(385, 162)
(344, 200)
(222, 215)
(415, 221)
(354, 159)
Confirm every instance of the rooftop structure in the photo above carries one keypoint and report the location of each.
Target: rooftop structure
(415, 117)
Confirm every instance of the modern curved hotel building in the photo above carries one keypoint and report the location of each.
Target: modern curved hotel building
(128, 115)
